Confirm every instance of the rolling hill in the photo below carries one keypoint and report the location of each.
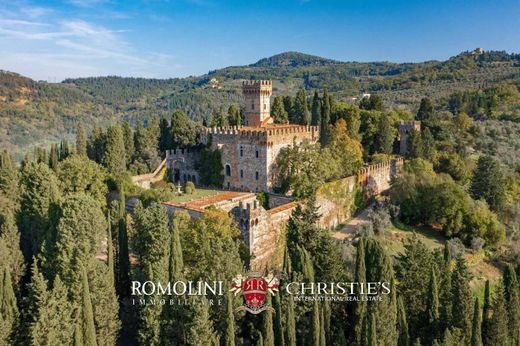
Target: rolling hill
(35, 113)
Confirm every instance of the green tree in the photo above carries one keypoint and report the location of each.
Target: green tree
(462, 296)
(488, 182)
(315, 327)
(402, 324)
(325, 118)
(267, 325)
(301, 112)
(346, 155)
(415, 145)
(371, 103)
(278, 112)
(128, 137)
(290, 323)
(87, 314)
(512, 292)
(476, 335)
(39, 191)
(9, 184)
(8, 307)
(371, 331)
(54, 157)
(433, 305)
(210, 168)
(360, 309)
(10, 253)
(278, 321)
(386, 135)
(428, 144)
(110, 255)
(115, 153)
(486, 315)
(234, 118)
(200, 330)
(184, 132)
(76, 174)
(165, 138)
(230, 322)
(426, 110)
(81, 140)
(96, 145)
(316, 110)
(498, 329)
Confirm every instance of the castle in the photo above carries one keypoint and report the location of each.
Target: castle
(248, 155)
(248, 152)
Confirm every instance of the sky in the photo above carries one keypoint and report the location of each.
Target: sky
(54, 40)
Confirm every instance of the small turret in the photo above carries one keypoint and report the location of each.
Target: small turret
(257, 95)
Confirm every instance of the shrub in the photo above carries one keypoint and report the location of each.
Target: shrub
(189, 188)
(456, 247)
(379, 218)
(477, 243)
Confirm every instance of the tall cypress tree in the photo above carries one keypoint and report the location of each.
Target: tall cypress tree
(54, 157)
(323, 336)
(123, 260)
(267, 326)
(371, 331)
(359, 316)
(385, 135)
(316, 110)
(290, 323)
(315, 326)
(446, 300)
(110, 253)
(462, 295)
(498, 329)
(114, 158)
(87, 315)
(325, 119)
(433, 307)
(176, 263)
(230, 323)
(301, 111)
(8, 307)
(81, 140)
(512, 292)
(476, 335)
(277, 320)
(402, 324)
(486, 315)
(200, 330)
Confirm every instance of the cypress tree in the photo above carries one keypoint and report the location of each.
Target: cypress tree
(359, 316)
(78, 335)
(267, 326)
(371, 330)
(81, 140)
(10, 252)
(278, 111)
(128, 137)
(87, 315)
(325, 119)
(486, 315)
(278, 324)
(316, 110)
(433, 299)
(176, 259)
(200, 330)
(124, 261)
(230, 323)
(512, 291)
(8, 307)
(290, 323)
(114, 158)
(402, 324)
(476, 335)
(260, 340)
(315, 328)
(498, 329)
(64, 150)
(446, 290)
(110, 253)
(462, 298)
(417, 342)
(53, 157)
(301, 111)
(385, 135)
(327, 313)
(323, 336)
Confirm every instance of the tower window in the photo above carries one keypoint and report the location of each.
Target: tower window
(256, 175)
(265, 106)
(241, 173)
(252, 105)
(256, 153)
(241, 151)
(228, 170)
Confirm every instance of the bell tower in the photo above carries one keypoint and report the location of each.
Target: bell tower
(257, 95)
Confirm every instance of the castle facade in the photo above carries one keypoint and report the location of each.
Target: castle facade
(248, 152)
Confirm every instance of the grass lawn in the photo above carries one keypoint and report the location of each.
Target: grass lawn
(395, 235)
(199, 193)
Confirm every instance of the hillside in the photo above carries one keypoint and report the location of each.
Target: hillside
(35, 113)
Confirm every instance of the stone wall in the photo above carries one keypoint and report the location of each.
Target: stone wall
(146, 180)
(182, 163)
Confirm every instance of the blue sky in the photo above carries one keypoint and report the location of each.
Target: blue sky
(53, 40)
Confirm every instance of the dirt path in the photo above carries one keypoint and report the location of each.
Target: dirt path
(352, 225)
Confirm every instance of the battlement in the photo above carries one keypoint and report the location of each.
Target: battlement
(410, 124)
(262, 132)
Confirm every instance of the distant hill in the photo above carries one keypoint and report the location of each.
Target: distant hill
(36, 113)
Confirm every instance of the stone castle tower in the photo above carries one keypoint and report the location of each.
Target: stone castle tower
(257, 94)
(405, 128)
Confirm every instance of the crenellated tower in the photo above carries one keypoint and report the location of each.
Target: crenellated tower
(257, 94)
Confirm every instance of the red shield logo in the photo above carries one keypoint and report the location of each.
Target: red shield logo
(254, 291)
(255, 288)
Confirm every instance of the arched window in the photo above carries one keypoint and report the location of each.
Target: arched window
(241, 151)
(256, 175)
(228, 170)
